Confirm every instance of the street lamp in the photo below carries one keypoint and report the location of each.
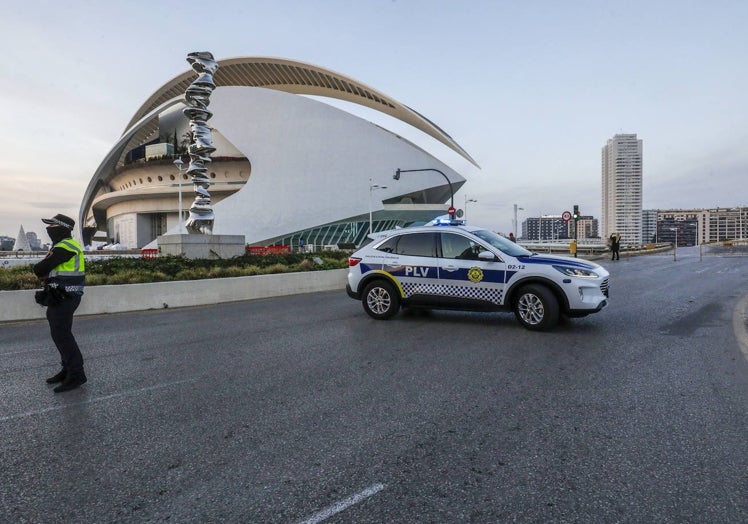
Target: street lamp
(675, 246)
(372, 187)
(396, 176)
(467, 200)
(178, 163)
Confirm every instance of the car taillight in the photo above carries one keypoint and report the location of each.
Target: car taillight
(352, 261)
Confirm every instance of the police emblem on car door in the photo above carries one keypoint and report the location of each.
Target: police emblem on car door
(464, 278)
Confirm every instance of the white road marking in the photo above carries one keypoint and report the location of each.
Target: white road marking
(92, 400)
(343, 504)
(740, 326)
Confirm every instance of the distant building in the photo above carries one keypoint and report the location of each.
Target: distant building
(34, 241)
(6, 243)
(649, 225)
(22, 241)
(695, 226)
(587, 227)
(553, 227)
(546, 227)
(722, 223)
(677, 225)
(622, 188)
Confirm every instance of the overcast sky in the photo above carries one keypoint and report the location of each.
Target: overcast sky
(531, 89)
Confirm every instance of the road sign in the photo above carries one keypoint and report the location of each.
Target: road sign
(566, 216)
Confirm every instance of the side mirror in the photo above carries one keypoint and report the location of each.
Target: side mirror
(487, 255)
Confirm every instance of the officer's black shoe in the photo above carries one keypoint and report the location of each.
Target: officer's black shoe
(71, 382)
(59, 377)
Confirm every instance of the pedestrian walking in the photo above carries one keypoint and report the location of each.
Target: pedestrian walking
(615, 246)
(62, 272)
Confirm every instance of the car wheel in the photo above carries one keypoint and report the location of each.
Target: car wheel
(380, 300)
(536, 308)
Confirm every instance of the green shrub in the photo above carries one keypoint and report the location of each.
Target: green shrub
(122, 270)
(18, 277)
(196, 273)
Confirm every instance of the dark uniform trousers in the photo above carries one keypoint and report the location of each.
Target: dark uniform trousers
(60, 317)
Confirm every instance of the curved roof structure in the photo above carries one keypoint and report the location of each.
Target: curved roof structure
(309, 161)
(298, 78)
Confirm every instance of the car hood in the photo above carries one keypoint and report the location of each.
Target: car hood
(558, 261)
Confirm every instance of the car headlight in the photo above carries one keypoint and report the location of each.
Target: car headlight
(576, 272)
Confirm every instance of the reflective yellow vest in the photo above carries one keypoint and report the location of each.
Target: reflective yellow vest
(70, 274)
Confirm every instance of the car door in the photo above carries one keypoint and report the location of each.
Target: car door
(414, 266)
(465, 280)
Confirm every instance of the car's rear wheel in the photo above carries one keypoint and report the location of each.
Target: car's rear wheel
(380, 300)
(536, 308)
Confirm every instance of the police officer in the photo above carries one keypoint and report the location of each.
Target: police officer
(64, 269)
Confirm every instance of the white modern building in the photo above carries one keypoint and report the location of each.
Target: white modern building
(287, 164)
(622, 188)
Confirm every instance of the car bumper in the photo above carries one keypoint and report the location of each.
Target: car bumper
(584, 312)
(351, 293)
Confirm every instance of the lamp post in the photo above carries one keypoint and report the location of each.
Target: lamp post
(467, 200)
(396, 176)
(372, 187)
(675, 246)
(178, 163)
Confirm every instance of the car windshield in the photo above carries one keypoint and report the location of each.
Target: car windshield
(502, 244)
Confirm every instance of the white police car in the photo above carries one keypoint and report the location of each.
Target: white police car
(455, 266)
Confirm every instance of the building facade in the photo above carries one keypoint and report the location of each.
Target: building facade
(723, 223)
(622, 188)
(550, 228)
(287, 166)
(587, 228)
(677, 227)
(545, 228)
(649, 225)
(695, 226)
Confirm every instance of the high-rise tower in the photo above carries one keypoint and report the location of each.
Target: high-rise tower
(622, 189)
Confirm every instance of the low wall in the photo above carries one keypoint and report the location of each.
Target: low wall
(20, 305)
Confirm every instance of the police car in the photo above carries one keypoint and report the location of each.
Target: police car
(450, 265)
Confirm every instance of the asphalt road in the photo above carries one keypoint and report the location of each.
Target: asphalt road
(303, 409)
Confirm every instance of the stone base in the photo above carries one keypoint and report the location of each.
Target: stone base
(211, 247)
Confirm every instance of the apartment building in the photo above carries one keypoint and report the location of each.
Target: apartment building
(622, 188)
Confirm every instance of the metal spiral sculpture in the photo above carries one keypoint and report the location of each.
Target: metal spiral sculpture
(197, 98)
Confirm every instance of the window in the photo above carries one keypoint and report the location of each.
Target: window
(416, 245)
(460, 247)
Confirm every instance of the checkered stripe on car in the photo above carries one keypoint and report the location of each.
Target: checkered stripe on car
(411, 289)
(479, 293)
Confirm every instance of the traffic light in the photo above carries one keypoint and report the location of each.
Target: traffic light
(575, 215)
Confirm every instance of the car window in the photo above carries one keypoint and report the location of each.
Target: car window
(460, 247)
(503, 244)
(413, 244)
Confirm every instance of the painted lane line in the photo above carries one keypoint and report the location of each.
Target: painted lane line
(343, 504)
(740, 325)
(93, 400)
(24, 352)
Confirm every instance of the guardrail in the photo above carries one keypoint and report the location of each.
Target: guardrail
(22, 254)
(564, 248)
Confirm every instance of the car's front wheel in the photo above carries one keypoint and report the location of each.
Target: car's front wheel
(380, 300)
(536, 308)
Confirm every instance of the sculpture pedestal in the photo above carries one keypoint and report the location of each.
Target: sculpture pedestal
(211, 247)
